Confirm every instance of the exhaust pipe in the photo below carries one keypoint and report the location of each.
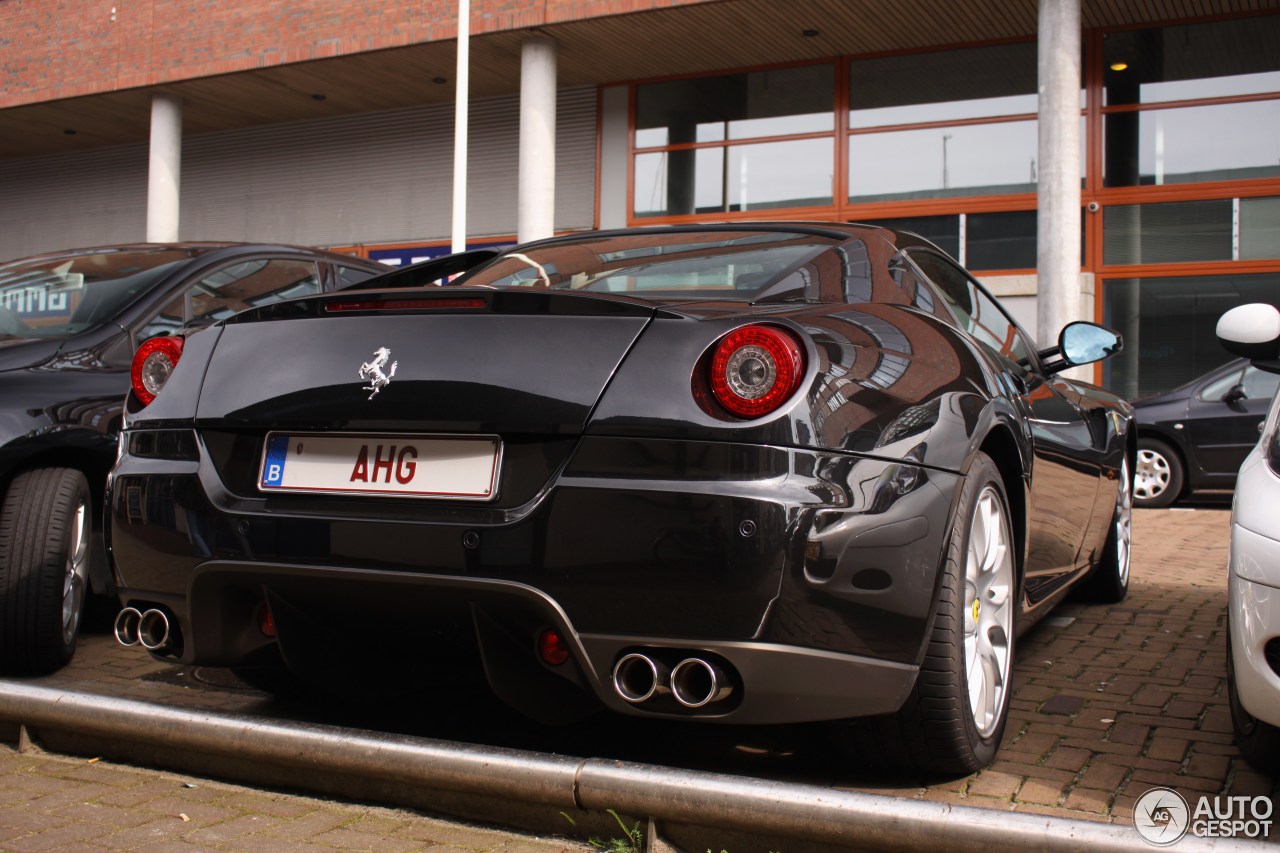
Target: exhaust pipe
(126, 626)
(638, 678)
(153, 630)
(695, 683)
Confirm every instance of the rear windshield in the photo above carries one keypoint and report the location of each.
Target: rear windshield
(59, 296)
(668, 265)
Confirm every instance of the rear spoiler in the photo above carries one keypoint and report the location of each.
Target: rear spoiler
(427, 272)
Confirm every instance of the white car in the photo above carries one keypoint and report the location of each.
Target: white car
(1253, 585)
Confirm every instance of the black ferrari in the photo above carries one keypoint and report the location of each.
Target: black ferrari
(749, 473)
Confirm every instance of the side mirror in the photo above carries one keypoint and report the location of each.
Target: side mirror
(1081, 343)
(1252, 331)
(1234, 397)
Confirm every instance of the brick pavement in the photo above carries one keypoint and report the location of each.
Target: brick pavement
(50, 802)
(1109, 701)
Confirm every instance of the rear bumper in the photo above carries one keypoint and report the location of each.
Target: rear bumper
(810, 577)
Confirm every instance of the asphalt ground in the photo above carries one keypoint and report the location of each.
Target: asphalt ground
(1109, 702)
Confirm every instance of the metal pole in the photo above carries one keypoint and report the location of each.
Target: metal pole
(536, 204)
(461, 108)
(711, 800)
(164, 172)
(1058, 188)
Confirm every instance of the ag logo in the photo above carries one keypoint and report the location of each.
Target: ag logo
(1161, 816)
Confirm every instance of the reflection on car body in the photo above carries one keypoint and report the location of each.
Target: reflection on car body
(749, 473)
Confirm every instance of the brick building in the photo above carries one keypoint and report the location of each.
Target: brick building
(331, 122)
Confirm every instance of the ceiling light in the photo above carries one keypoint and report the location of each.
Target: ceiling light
(809, 34)
(1119, 66)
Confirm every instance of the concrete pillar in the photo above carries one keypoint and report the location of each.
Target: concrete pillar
(164, 175)
(1058, 187)
(536, 203)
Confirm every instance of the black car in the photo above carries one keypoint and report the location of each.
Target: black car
(751, 473)
(1196, 436)
(69, 325)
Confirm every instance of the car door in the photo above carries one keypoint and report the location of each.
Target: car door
(1066, 438)
(1223, 419)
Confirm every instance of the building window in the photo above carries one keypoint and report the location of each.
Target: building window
(735, 142)
(1168, 326)
(1153, 136)
(950, 123)
(1192, 231)
(989, 242)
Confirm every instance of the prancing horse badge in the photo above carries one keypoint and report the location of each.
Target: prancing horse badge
(372, 371)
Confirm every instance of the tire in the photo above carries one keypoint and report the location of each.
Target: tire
(1258, 742)
(954, 718)
(1158, 475)
(1109, 583)
(46, 522)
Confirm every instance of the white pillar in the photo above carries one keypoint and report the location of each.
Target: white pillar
(536, 202)
(164, 175)
(461, 112)
(1058, 188)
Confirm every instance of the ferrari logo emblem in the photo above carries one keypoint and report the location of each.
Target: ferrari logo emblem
(372, 371)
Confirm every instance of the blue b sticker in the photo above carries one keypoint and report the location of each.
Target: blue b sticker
(273, 465)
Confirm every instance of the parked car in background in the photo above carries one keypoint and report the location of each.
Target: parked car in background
(747, 473)
(1253, 580)
(1197, 435)
(70, 323)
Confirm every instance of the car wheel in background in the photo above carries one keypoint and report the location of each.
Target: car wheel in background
(45, 526)
(1158, 475)
(1110, 580)
(954, 718)
(1259, 742)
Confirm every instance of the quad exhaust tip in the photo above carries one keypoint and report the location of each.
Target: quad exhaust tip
(694, 682)
(150, 628)
(126, 626)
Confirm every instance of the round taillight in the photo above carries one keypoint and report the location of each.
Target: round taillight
(152, 364)
(552, 648)
(755, 369)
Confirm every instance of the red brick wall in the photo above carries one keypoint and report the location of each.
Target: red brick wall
(52, 49)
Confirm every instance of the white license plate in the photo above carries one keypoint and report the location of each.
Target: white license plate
(404, 465)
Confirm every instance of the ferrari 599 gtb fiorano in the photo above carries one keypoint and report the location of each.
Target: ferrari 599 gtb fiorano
(751, 473)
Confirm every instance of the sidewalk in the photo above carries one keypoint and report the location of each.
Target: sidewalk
(1109, 702)
(50, 802)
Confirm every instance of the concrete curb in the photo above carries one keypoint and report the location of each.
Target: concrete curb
(717, 801)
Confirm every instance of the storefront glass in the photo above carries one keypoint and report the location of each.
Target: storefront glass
(1168, 326)
(1218, 59)
(1219, 142)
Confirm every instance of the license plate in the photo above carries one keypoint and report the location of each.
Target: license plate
(402, 465)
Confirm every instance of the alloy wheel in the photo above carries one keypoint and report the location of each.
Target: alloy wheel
(988, 613)
(75, 580)
(1123, 521)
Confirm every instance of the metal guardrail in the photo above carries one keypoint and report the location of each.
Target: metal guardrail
(712, 800)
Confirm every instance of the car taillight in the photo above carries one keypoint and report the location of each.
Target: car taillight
(755, 369)
(152, 364)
